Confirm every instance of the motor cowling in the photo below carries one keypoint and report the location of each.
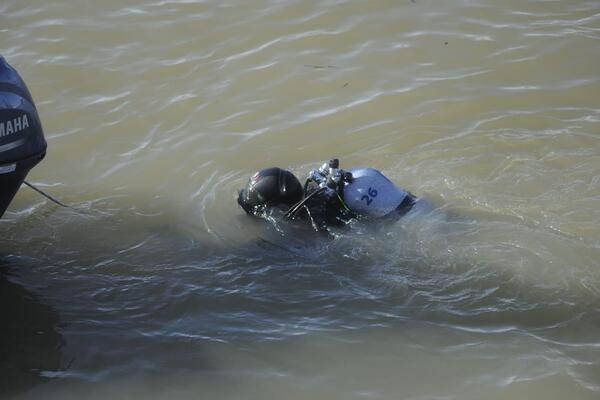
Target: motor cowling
(371, 194)
(22, 143)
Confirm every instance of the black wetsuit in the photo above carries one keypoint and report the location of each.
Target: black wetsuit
(324, 210)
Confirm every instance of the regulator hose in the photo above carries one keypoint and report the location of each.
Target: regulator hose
(295, 208)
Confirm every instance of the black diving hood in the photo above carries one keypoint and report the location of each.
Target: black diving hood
(22, 143)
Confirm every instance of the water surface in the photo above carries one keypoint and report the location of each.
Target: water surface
(157, 112)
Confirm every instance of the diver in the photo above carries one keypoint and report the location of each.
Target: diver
(330, 197)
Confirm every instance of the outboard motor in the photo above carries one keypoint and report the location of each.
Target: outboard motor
(22, 143)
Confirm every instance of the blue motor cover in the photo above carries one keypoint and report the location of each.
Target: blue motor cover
(371, 194)
(22, 143)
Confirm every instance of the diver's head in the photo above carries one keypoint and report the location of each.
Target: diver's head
(268, 188)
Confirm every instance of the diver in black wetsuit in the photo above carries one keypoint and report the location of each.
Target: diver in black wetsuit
(329, 197)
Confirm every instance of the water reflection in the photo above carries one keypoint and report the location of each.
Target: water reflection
(31, 341)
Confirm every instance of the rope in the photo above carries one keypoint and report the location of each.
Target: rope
(46, 195)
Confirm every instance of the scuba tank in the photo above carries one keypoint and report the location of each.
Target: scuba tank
(22, 143)
(370, 193)
(365, 192)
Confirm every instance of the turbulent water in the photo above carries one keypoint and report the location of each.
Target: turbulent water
(157, 285)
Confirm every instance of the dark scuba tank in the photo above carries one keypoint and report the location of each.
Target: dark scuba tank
(22, 143)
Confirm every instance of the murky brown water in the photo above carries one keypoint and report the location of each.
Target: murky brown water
(156, 112)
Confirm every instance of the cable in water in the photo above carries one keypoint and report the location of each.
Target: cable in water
(46, 195)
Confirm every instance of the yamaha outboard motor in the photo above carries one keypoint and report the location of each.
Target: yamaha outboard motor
(268, 188)
(22, 143)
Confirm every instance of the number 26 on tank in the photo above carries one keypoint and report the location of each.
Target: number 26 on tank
(371, 194)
